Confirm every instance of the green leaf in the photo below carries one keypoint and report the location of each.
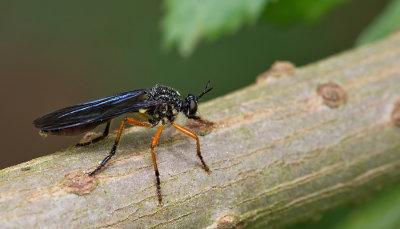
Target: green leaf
(294, 11)
(382, 212)
(189, 21)
(387, 23)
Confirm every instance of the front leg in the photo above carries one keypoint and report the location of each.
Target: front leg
(193, 135)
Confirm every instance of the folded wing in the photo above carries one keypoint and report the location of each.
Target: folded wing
(96, 111)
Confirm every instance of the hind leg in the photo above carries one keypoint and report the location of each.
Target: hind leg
(129, 120)
(99, 138)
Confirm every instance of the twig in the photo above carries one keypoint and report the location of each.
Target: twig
(279, 152)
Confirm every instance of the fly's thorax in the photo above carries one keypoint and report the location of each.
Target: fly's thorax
(165, 94)
(169, 104)
(165, 112)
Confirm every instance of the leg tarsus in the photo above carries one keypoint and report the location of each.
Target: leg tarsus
(105, 160)
(158, 182)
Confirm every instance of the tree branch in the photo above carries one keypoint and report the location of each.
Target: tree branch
(281, 151)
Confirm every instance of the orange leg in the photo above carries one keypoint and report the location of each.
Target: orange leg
(153, 145)
(129, 120)
(193, 135)
(145, 116)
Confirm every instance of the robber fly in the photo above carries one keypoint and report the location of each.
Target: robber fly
(158, 104)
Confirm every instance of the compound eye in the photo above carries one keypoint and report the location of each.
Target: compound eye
(192, 107)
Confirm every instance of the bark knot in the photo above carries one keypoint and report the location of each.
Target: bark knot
(278, 69)
(225, 221)
(332, 94)
(396, 113)
(79, 183)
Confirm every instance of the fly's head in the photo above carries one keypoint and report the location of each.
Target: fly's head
(189, 107)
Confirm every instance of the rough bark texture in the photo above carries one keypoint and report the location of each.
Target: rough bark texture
(280, 152)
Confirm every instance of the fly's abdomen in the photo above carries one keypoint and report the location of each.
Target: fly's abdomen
(69, 131)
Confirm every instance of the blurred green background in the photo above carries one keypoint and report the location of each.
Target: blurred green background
(54, 54)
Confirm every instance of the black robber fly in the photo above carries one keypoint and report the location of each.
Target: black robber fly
(158, 104)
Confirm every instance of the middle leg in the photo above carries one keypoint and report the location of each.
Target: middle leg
(153, 145)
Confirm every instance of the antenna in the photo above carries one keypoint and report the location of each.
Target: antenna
(206, 90)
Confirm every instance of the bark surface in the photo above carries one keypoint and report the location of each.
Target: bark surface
(283, 150)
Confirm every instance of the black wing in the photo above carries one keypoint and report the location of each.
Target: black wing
(96, 111)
